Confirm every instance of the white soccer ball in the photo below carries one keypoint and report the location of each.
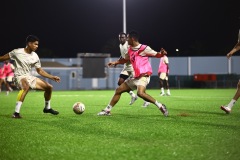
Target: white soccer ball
(78, 108)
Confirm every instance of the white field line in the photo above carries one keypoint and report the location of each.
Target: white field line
(93, 95)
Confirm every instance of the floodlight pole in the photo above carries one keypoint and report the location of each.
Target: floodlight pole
(124, 17)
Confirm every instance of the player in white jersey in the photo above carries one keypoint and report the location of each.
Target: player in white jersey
(25, 59)
(228, 108)
(128, 69)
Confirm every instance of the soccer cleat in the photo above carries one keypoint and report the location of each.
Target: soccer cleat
(104, 113)
(162, 94)
(225, 109)
(16, 115)
(168, 94)
(164, 110)
(145, 104)
(50, 111)
(133, 99)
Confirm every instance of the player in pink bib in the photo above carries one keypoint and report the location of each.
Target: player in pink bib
(163, 72)
(3, 80)
(138, 55)
(9, 72)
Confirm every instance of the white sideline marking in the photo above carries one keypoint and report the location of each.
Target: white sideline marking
(92, 95)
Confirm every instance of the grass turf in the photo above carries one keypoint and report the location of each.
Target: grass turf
(195, 129)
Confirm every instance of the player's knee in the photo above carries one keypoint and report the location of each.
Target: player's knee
(49, 87)
(119, 83)
(140, 94)
(238, 85)
(26, 87)
(119, 90)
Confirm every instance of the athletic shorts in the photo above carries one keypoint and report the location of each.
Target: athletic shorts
(134, 82)
(9, 78)
(127, 71)
(163, 76)
(30, 79)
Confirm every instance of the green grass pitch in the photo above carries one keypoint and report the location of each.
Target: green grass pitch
(195, 129)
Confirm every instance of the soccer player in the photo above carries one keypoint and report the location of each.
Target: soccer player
(3, 80)
(163, 71)
(25, 59)
(128, 69)
(138, 55)
(227, 108)
(9, 72)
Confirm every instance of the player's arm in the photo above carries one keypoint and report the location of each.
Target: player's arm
(151, 53)
(167, 68)
(161, 53)
(47, 75)
(234, 50)
(4, 57)
(119, 61)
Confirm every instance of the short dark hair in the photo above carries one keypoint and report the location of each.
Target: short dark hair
(134, 34)
(122, 33)
(32, 38)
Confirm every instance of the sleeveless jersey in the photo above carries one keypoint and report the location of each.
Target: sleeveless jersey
(141, 65)
(8, 69)
(162, 65)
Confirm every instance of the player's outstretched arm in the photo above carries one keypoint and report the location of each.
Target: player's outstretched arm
(4, 57)
(161, 53)
(47, 75)
(234, 50)
(119, 61)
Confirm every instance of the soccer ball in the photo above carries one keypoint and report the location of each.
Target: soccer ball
(78, 108)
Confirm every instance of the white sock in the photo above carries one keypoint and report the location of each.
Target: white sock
(232, 102)
(47, 104)
(159, 105)
(18, 106)
(132, 93)
(168, 91)
(108, 108)
(162, 90)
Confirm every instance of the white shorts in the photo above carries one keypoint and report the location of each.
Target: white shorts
(134, 82)
(9, 78)
(127, 72)
(30, 79)
(163, 76)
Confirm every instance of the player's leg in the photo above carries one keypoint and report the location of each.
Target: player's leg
(228, 107)
(161, 79)
(10, 82)
(47, 88)
(167, 86)
(141, 92)
(122, 77)
(24, 86)
(7, 86)
(7, 80)
(1, 81)
(118, 92)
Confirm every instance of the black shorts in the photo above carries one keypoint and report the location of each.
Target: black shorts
(123, 76)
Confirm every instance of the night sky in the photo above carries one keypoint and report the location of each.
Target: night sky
(68, 27)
